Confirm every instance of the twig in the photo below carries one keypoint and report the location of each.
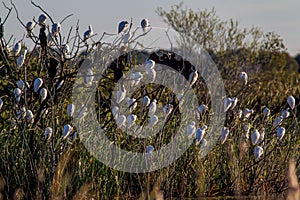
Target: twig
(42, 11)
(9, 11)
(17, 13)
(70, 15)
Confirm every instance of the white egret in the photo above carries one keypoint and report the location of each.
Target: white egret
(43, 93)
(280, 133)
(262, 134)
(285, 114)
(21, 59)
(152, 121)
(247, 112)
(48, 133)
(17, 48)
(193, 78)
(87, 34)
(200, 132)
(243, 77)
(38, 82)
(29, 26)
(258, 152)
(190, 129)
(291, 101)
(149, 64)
(20, 84)
(255, 137)
(65, 49)
(146, 101)
(202, 108)
(145, 24)
(149, 149)
(1, 103)
(56, 28)
(121, 94)
(29, 116)
(227, 104)
(42, 19)
(152, 107)
(266, 112)
(70, 110)
(278, 120)
(132, 103)
(115, 112)
(67, 131)
(131, 120)
(123, 26)
(17, 93)
(168, 108)
(224, 134)
(121, 121)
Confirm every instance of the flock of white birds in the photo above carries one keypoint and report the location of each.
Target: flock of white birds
(192, 131)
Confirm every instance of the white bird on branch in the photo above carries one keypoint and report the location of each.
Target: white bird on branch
(43, 93)
(70, 110)
(145, 24)
(38, 82)
(291, 101)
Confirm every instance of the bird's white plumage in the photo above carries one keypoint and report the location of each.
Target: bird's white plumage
(227, 104)
(1, 103)
(258, 152)
(266, 112)
(29, 116)
(42, 19)
(17, 48)
(132, 103)
(43, 93)
(67, 131)
(202, 108)
(190, 129)
(280, 133)
(243, 77)
(149, 64)
(145, 24)
(278, 120)
(121, 94)
(29, 26)
(21, 59)
(151, 73)
(115, 112)
(17, 94)
(48, 132)
(291, 101)
(38, 82)
(193, 77)
(247, 112)
(224, 134)
(255, 136)
(56, 28)
(70, 110)
(131, 120)
(146, 101)
(121, 121)
(234, 102)
(168, 108)
(152, 107)
(152, 121)
(285, 113)
(200, 132)
(88, 33)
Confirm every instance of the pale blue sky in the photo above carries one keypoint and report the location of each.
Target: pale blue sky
(281, 16)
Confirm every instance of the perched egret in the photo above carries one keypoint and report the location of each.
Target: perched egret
(20, 84)
(149, 64)
(1, 103)
(266, 112)
(278, 120)
(193, 78)
(243, 77)
(224, 134)
(152, 107)
(121, 94)
(151, 73)
(152, 121)
(43, 93)
(202, 108)
(200, 134)
(280, 133)
(258, 152)
(65, 49)
(145, 24)
(123, 26)
(38, 82)
(190, 129)
(168, 108)
(132, 103)
(149, 149)
(115, 112)
(17, 93)
(227, 104)
(17, 48)
(67, 131)
(70, 110)
(29, 116)
(48, 133)
(121, 121)
(29, 26)
(146, 101)
(56, 28)
(247, 112)
(131, 120)
(21, 59)
(291, 101)
(285, 114)
(87, 34)
(255, 136)
(42, 19)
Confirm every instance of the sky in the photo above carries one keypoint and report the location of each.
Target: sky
(280, 16)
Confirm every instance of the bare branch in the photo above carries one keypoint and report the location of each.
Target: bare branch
(42, 11)
(70, 15)
(17, 13)
(9, 11)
